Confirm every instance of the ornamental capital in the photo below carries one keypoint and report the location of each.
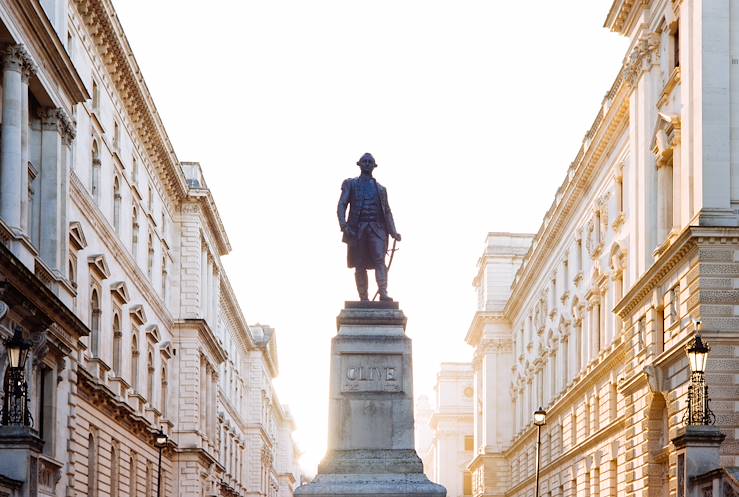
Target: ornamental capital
(54, 118)
(17, 58)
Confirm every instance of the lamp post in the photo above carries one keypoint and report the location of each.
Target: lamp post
(540, 419)
(15, 406)
(161, 442)
(698, 412)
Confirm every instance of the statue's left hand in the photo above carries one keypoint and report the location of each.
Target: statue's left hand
(396, 236)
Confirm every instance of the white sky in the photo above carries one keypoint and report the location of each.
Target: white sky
(473, 109)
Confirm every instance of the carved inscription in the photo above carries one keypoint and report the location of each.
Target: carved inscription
(371, 373)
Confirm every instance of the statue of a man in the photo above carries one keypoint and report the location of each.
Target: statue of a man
(367, 228)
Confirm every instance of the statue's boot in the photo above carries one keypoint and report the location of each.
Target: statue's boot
(381, 277)
(360, 276)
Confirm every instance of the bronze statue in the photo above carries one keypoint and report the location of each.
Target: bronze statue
(367, 228)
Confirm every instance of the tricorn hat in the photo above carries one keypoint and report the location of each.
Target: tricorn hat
(367, 156)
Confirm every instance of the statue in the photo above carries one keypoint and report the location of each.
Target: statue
(367, 228)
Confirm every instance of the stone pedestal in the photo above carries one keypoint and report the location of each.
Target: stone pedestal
(370, 434)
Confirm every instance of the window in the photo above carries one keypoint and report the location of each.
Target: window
(150, 257)
(134, 232)
(114, 470)
(72, 274)
(150, 198)
(467, 483)
(134, 359)
(150, 376)
(133, 476)
(116, 136)
(116, 205)
(149, 479)
(95, 323)
(46, 393)
(117, 344)
(164, 277)
(675, 42)
(469, 443)
(134, 169)
(164, 392)
(95, 173)
(95, 96)
(92, 463)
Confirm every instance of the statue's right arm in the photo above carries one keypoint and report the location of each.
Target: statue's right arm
(343, 203)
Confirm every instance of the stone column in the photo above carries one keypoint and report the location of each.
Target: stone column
(664, 199)
(57, 133)
(677, 173)
(587, 332)
(11, 170)
(28, 70)
(594, 327)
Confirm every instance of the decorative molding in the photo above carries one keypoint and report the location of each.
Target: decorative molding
(107, 34)
(643, 56)
(138, 316)
(608, 125)
(119, 291)
(98, 266)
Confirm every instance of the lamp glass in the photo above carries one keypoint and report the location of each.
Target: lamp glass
(540, 417)
(161, 439)
(14, 356)
(698, 355)
(698, 361)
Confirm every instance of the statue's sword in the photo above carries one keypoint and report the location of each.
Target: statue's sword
(389, 264)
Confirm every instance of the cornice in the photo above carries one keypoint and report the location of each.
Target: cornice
(206, 336)
(622, 15)
(204, 199)
(30, 286)
(44, 39)
(107, 33)
(233, 310)
(684, 244)
(479, 320)
(610, 121)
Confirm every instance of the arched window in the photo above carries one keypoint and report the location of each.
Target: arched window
(149, 479)
(117, 344)
(164, 277)
(95, 96)
(134, 232)
(114, 470)
(150, 257)
(116, 205)
(92, 466)
(164, 392)
(95, 323)
(150, 377)
(72, 274)
(133, 477)
(134, 360)
(95, 173)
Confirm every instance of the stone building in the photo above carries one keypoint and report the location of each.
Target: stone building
(110, 264)
(589, 318)
(451, 424)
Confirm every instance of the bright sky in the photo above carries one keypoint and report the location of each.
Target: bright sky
(473, 110)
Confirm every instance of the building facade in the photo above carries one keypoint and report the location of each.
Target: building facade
(451, 424)
(111, 268)
(589, 318)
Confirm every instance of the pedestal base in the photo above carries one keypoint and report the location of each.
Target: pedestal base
(370, 444)
(386, 485)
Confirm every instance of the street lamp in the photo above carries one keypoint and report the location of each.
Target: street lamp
(540, 419)
(15, 406)
(161, 442)
(698, 412)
